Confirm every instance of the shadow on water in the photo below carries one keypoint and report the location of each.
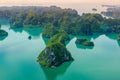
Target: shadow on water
(51, 74)
(4, 21)
(89, 38)
(47, 39)
(20, 30)
(84, 47)
(78, 46)
(94, 36)
(3, 37)
(118, 43)
(35, 32)
(112, 36)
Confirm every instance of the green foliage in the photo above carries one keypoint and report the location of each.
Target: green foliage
(49, 30)
(84, 42)
(54, 55)
(40, 15)
(112, 22)
(3, 33)
(62, 36)
(17, 21)
(17, 24)
(64, 19)
(90, 23)
(55, 52)
(32, 18)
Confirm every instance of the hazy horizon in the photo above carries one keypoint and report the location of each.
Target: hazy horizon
(51, 2)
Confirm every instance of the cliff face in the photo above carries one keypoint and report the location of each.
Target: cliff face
(55, 52)
(54, 55)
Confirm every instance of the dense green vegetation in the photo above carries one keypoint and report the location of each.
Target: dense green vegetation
(53, 19)
(3, 33)
(84, 42)
(113, 25)
(22, 16)
(49, 30)
(55, 52)
(71, 23)
(60, 37)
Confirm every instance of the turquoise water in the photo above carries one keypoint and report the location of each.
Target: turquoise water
(18, 57)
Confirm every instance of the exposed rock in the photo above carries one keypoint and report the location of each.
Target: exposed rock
(55, 52)
(54, 55)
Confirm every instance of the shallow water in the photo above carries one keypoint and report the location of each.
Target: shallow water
(18, 57)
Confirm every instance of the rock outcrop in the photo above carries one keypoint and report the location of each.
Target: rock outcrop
(84, 42)
(3, 33)
(54, 55)
(55, 52)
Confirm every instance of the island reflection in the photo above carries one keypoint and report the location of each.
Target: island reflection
(52, 74)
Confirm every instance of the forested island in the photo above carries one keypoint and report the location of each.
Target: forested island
(3, 34)
(55, 52)
(58, 24)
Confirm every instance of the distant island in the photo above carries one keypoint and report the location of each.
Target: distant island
(3, 34)
(112, 11)
(84, 42)
(58, 24)
(94, 9)
(108, 5)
